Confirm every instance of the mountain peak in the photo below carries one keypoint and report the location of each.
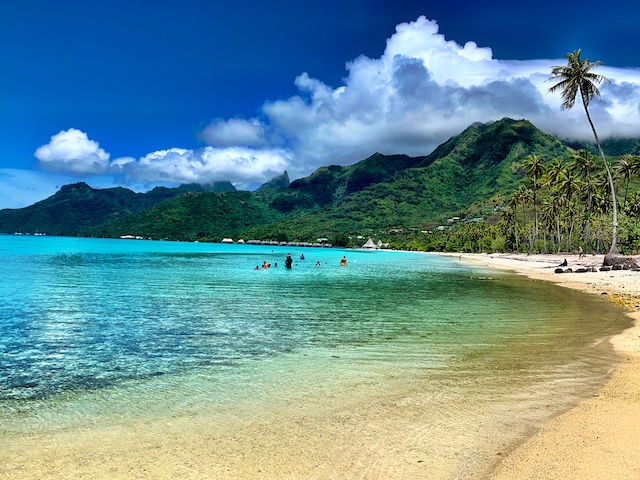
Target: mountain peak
(280, 181)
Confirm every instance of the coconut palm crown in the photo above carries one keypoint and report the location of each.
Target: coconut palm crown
(577, 78)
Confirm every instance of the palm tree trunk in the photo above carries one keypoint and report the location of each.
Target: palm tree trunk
(570, 233)
(626, 191)
(535, 209)
(586, 227)
(558, 230)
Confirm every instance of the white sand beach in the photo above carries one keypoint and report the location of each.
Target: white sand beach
(599, 438)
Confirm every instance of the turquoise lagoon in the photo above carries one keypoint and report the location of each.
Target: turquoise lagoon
(102, 332)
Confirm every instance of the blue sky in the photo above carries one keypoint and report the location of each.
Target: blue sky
(144, 93)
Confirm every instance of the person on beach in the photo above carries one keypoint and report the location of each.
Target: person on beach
(343, 262)
(288, 261)
(580, 253)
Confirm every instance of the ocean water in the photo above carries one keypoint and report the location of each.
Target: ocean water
(102, 332)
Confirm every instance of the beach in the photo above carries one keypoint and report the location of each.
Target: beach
(600, 437)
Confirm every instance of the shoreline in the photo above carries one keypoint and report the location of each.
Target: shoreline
(599, 437)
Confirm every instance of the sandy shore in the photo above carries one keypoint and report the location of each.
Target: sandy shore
(600, 438)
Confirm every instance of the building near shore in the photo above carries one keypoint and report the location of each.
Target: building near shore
(370, 245)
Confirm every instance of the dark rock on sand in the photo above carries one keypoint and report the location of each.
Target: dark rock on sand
(611, 259)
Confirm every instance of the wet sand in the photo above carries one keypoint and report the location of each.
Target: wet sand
(599, 438)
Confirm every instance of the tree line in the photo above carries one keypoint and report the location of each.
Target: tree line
(570, 203)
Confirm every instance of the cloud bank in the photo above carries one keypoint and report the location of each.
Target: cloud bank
(421, 91)
(72, 152)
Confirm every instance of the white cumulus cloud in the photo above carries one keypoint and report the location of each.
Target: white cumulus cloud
(234, 132)
(72, 151)
(244, 167)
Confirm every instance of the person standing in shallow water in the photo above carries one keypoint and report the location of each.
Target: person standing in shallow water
(288, 261)
(343, 262)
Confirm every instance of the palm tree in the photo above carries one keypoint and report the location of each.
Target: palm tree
(635, 165)
(567, 186)
(533, 165)
(524, 196)
(587, 189)
(554, 204)
(582, 160)
(511, 213)
(573, 78)
(625, 168)
(547, 214)
(554, 173)
(633, 208)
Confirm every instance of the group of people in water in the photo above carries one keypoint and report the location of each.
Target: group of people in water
(266, 265)
(288, 262)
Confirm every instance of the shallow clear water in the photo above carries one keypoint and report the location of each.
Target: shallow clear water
(96, 331)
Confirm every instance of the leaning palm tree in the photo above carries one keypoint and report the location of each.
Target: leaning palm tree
(573, 78)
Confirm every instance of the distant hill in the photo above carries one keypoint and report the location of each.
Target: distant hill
(195, 215)
(78, 206)
(614, 147)
(467, 175)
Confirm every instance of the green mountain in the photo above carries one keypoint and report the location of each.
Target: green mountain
(480, 165)
(78, 206)
(468, 174)
(331, 183)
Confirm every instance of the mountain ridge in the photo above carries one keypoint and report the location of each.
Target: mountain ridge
(479, 165)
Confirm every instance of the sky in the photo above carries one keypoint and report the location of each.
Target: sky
(140, 93)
